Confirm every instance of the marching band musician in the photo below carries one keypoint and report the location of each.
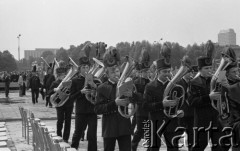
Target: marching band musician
(154, 103)
(47, 82)
(140, 83)
(114, 126)
(63, 112)
(230, 90)
(84, 110)
(205, 116)
(187, 120)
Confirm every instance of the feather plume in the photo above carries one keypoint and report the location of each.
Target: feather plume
(166, 52)
(100, 50)
(186, 61)
(145, 57)
(210, 50)
(61, 63)
(87, 49)
(111, 56)
(230, 53)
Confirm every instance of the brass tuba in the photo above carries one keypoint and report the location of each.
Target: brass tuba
(221, 104)
(175, 91)
(60, 97)
(125, 87)
(94, 75)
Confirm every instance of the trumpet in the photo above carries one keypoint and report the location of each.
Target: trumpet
(175, 91)
(60, 97)
(93, 77)
(125, 88)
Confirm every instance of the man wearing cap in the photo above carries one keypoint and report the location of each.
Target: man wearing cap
(114, 126)
(140, 82)
(155, 104)
(34, 85)
(47, 82)
(84, 109)
(205, 116)
(63, 112)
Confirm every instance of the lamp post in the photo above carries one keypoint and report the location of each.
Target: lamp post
(19, 46)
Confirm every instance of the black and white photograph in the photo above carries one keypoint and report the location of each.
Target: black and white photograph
(119, 75)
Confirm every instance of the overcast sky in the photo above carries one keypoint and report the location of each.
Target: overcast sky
(61, 23)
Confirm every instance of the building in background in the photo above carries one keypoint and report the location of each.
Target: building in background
(38, 52)
(227, 37)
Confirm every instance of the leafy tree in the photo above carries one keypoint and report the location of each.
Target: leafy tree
(46, 54)
(62, 55)
(177, 54)
(8, 63)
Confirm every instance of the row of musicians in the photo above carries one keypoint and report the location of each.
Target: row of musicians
(198, 118)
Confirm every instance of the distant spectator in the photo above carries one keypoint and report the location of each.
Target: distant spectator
(34, 85)
(24, 83)
(7, 81)
(47, 82)
(20, 83)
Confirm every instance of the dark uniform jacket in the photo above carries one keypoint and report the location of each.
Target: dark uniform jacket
(153, 97)
(188, 110)
(140, 84)
(199, 99)
(113, 124)
(83, 106)
(51, 92)
(48, 80)
(233, 96)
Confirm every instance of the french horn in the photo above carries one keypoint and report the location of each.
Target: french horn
(175, 91)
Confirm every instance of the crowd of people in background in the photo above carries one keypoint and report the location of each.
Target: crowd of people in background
(22, 80)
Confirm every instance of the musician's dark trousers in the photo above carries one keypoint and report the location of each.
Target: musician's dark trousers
(137, 136)
(64, 116)
(124, 143)
(188, 122)
(35, 94)
(133, 124)
(201, 140)
(48, 100)
(168, 133)
(236, 136)
(6, 90)
(81, 120)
